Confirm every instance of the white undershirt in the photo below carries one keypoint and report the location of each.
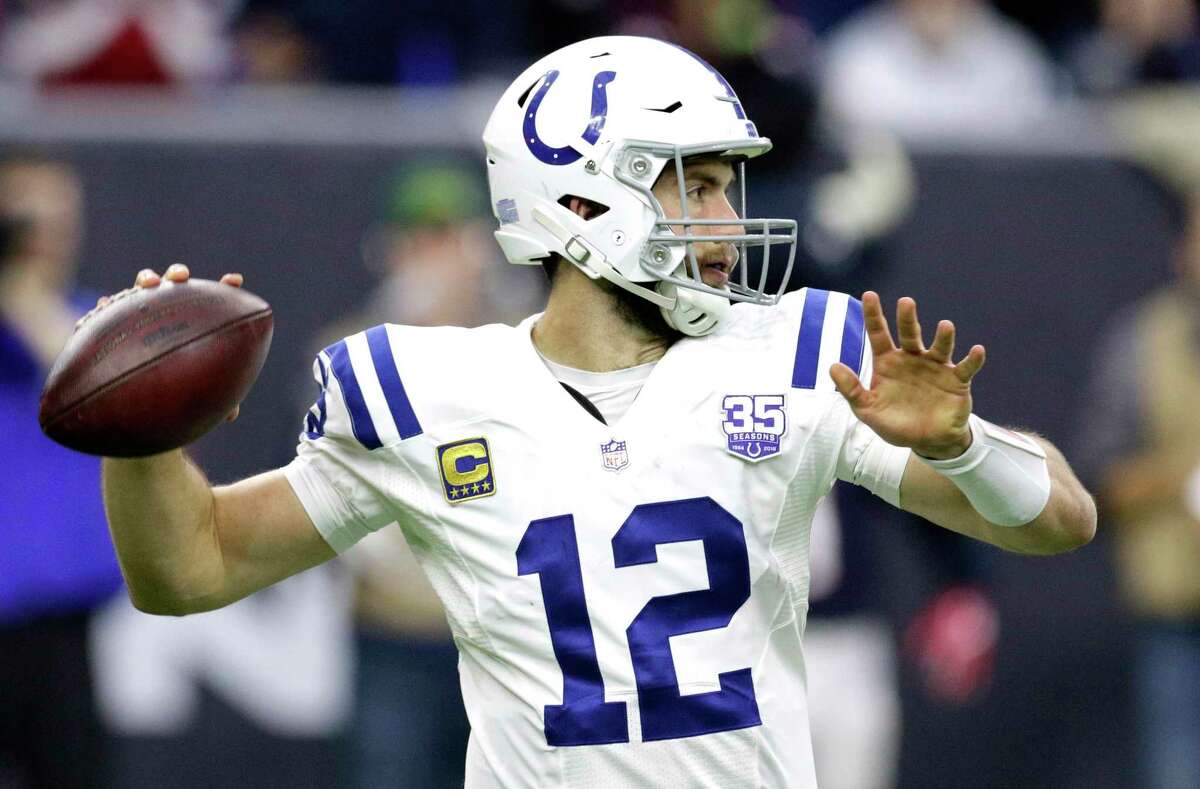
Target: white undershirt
(612, 393)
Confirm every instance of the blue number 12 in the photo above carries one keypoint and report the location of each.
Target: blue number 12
(550, 550)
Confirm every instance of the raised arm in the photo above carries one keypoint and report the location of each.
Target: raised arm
(185, 546)
(921, 400)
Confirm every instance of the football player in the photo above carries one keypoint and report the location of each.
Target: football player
(613, 498)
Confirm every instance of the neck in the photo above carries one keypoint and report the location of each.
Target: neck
(583, 327)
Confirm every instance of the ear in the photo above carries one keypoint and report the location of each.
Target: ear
(588, 209)
(578, 205)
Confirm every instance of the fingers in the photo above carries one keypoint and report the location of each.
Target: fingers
(942, 349)
(237, 409)
(907, 327)
(877, 326)
(178, 273)
(971, 364)
(147, 278)
(847, 384)
(908, 331)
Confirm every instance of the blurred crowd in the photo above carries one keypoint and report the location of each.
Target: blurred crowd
(966, 51)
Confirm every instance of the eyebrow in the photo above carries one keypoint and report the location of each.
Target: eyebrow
(707, 179)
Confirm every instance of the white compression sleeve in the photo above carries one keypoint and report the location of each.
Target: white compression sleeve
(1003, 474)
(879, 467)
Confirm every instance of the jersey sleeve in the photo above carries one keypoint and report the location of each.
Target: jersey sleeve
(831, 330)
(339, 473)
(865, 458)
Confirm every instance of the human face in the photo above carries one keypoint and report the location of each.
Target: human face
(49, 198)
(706, 186)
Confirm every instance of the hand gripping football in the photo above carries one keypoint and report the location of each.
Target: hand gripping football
(156, 368)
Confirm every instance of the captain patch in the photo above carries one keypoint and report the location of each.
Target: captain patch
(466, 469)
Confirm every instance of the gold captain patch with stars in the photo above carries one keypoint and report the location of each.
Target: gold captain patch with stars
(466, 469)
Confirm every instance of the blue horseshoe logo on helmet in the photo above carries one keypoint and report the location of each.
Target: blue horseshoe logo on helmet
(566, 154)
(751, 129)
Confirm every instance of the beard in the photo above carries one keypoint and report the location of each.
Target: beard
(639, 314)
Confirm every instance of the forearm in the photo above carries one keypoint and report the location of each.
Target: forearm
(161, 514)
(1068, 520)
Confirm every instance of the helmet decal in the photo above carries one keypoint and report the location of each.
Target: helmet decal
(751, 129)
(566, 154)
(599, 105)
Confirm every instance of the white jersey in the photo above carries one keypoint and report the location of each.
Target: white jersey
(628, 600)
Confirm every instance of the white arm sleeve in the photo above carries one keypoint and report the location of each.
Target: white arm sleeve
(869, 461)
(1003, 474)
(866, 459)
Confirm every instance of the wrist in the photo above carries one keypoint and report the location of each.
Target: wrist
(147, 465)
(948, 451)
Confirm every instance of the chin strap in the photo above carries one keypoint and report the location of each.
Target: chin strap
(690, 312)
(695, 314)
(593, 262)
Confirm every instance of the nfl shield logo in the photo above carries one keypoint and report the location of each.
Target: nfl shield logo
(614, 455)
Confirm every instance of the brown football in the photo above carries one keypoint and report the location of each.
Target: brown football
(156, 368)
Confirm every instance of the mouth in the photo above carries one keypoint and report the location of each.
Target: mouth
(715, 273)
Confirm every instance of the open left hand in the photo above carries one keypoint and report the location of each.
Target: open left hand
(918, 397)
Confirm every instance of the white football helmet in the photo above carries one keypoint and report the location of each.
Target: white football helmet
(600, 119)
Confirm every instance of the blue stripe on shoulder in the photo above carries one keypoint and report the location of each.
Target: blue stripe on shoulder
(389, 380)
(316, 421)
(808, 345)
(360, 418)
(852, 337)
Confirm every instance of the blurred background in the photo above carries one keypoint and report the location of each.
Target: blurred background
(1029, 169)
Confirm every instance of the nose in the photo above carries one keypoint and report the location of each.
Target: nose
(721, 209)
(714, 249)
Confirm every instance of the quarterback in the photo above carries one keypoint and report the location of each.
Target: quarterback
(613, 498)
